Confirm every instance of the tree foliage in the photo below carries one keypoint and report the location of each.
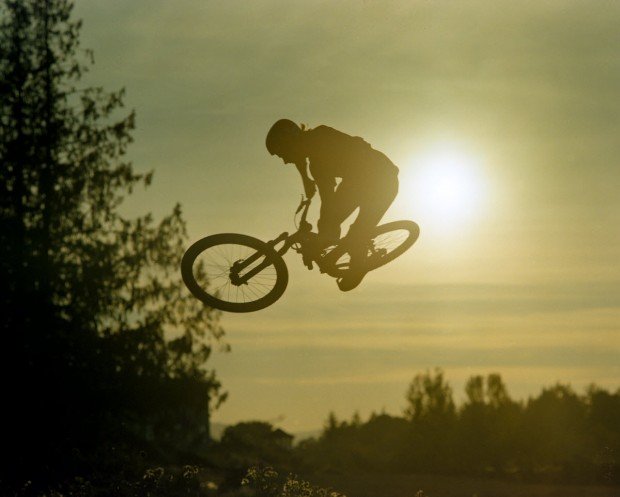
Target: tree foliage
(558, 436)
(102, 336)
(429, 397)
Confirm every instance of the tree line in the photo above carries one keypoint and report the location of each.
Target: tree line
(557, 436)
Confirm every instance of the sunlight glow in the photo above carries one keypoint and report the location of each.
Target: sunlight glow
(444, 188)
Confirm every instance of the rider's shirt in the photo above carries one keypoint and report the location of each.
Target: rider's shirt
(333, 154)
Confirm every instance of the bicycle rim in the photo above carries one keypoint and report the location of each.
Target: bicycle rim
(387, 242)
(392, 240)
(208, 270)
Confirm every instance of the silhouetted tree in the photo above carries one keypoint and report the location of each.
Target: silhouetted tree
(496, 392)
(603, 421)
(429, 397)
(384, 439)
(474, 432)
(432, 413)
(474, 389)
(555, 433)
(102, 339)
(256, 442)
(487, 427)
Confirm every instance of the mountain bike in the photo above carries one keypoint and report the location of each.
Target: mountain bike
(239, 273)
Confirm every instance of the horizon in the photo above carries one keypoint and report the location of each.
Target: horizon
(217, 428)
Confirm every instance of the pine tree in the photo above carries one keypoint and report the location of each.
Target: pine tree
(101, 335)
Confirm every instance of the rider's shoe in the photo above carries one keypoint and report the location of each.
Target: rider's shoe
(351, 279)
(314, 246)
(357, 269)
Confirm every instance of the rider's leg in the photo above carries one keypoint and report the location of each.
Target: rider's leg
(373, 206)
(335, 209)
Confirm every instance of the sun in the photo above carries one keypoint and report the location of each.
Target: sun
(444, 188)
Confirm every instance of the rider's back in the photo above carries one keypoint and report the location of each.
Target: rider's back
(333, 153)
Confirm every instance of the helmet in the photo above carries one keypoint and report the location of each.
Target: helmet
(280, 133)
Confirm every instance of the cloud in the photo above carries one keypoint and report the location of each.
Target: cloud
(396, 330)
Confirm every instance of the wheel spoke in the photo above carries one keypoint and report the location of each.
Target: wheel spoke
(217, 262)
(389, 241)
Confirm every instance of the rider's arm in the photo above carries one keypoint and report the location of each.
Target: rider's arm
(329, 229)
(309, 185)
(326, 188)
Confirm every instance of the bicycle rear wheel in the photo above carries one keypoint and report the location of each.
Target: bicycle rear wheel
(234, 272)
(387, 242)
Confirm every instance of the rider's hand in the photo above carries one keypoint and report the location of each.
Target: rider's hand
(310, 249)
(307, 260)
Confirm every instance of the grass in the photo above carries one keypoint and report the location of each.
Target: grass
(394, 485)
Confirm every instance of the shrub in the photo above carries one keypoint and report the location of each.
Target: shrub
(266, 482)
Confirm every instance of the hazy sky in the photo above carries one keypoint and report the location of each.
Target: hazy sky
(518, 102)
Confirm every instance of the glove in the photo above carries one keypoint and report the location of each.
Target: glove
(307, 260)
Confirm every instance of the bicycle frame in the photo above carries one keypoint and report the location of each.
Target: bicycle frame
(303, 233)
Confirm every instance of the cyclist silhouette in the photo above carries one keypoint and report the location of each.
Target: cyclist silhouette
(368, 180)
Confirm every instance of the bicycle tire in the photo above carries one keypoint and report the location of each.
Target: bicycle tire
(395, 247)
(222, 250)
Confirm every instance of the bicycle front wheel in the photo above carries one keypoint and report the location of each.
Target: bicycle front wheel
(234, 273)
(387, 242)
